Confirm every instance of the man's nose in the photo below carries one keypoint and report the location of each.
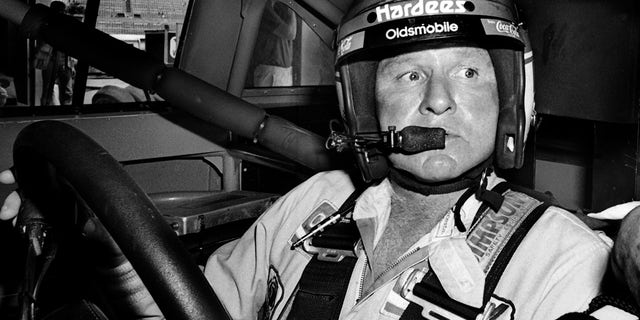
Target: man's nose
(437, 98)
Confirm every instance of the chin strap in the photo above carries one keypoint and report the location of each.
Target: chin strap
(491, 198)
(476, 176)
(407, 181)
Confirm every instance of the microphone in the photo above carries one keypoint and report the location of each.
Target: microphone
(411, 139)
(414, 139)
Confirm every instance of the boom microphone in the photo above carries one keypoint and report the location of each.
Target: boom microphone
(411, 139)
(414, 139)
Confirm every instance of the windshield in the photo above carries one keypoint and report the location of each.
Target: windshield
(55, 79)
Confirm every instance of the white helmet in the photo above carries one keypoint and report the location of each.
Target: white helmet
(373, 28)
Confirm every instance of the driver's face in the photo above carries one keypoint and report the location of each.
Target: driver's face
(451, 88)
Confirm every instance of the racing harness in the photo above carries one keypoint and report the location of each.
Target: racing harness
(324, 282)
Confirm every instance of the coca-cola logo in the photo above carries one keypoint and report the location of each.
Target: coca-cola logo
(345, 45)
(508, 28)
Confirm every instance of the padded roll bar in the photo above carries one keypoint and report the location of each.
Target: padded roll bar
(177, 87)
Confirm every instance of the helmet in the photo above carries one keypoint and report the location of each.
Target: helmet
(375, 28)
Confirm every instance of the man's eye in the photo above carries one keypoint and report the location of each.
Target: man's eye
(410, 76)
(469, 73)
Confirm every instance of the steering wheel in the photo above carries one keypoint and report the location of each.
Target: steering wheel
(48, 152)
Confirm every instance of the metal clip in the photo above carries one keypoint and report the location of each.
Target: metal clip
(328, 254)
(430, 310)
(338, 141)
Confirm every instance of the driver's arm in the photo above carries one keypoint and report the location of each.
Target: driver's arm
(123, 286)
(127, 293)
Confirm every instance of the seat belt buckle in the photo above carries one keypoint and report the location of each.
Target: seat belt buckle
(437, 308)
(335, 243)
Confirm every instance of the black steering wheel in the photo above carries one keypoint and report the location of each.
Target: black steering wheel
(47, 152)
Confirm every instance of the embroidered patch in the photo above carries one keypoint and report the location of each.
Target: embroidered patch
(499, 308)
(323, 210)
(492, 232)
(275, 293)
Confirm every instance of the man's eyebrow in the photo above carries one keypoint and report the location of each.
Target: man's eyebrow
(476, 61)
(401, 60)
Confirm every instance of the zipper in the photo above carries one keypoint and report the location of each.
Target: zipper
(362, 275)
(360, 289)
(396, 263)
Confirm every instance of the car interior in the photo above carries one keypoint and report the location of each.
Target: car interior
(166, 118)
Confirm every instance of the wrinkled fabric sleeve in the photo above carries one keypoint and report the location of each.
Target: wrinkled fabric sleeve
(239, 270)
(576, 261)
(574, 287)
(127, 294)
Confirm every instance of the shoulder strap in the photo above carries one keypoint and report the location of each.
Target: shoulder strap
(511, 234)
(495, 273)
(322, 289)
(324, 282)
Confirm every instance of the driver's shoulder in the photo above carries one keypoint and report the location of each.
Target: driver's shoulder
(558, 227)
(559, 231)
(323, 193)
(331, 187)
(331, 181)
(558, 223)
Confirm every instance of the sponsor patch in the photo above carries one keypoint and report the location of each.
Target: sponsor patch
(350, 43)
(409, 9)
(323, 210)
(421, 29)
(275, 293)
(490, 234)
(495, 27)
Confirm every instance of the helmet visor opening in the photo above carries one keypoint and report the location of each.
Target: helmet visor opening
(488, 43)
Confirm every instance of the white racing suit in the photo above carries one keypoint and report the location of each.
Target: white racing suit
(557, 268)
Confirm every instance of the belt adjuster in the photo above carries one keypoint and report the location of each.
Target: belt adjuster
(329, 254)
(334, 243)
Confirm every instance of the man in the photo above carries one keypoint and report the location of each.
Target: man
(57, 68)
(432, 216)
(405, 64)
(273, 54)
(7, 90)
(3, 95)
